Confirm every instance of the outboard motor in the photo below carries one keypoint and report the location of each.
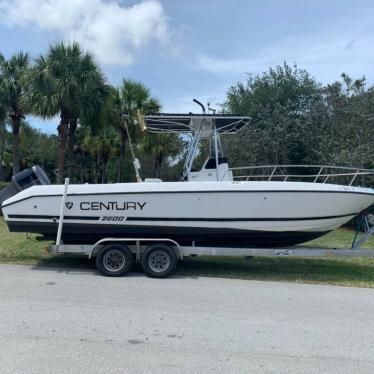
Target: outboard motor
(22, 180)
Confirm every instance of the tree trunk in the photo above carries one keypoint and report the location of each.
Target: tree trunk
(154, 168)
(63, 134)
(158, 163)
(2, 143)
(81, 173)
(69, 153)
(104, 172)
(122, 156)
(16, 123)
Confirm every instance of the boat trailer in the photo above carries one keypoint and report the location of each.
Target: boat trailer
(158, 256)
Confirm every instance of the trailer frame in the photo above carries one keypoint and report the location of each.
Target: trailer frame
(137, 246)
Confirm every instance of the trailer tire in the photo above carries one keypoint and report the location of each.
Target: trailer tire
(114, 260)
(159, 261)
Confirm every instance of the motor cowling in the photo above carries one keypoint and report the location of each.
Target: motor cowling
(23, 180)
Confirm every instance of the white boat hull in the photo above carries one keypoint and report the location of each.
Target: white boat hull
(258, 214)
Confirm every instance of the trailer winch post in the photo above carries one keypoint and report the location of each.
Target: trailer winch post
(62, 208)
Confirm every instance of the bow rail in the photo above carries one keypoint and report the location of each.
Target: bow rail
(310, 173)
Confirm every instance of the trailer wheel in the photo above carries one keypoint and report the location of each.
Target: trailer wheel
(159, 261)
(114, 260)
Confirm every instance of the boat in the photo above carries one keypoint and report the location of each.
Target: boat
(213, 206)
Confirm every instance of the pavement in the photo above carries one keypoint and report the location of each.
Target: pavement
(75, 321)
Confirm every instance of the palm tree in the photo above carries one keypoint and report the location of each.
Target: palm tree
(14, 72)
(3, 113)
(67, 82)
(160, 146)
(131, 97)
(102, 147)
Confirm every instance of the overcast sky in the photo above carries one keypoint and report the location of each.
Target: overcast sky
(197, 48)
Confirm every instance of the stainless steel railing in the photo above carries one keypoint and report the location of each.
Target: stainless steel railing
(310, 173)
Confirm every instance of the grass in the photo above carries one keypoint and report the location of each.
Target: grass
(21, 249)
(3, 184)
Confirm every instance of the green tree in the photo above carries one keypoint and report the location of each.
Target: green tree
(67, 82)
(287, 113)
(350, 137)
(161, 147)
(38, 148)
(14, 72)
(102, 147)
(3, 113)
(132, 97)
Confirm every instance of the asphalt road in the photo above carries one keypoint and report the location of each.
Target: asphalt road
(76, 321)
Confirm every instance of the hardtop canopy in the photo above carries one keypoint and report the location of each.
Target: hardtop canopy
(191, 123)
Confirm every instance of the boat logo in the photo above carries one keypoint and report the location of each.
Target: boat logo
(112, 205)
(69, 204)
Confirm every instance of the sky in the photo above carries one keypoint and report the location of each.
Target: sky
(198, 48)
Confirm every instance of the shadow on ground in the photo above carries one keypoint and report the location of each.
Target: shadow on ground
(80, 265)
(353, 272)
(341, 271)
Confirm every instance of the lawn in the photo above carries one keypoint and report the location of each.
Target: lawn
(22, 249)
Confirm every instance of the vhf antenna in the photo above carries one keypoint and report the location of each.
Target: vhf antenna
(211, 109)
(202, 106)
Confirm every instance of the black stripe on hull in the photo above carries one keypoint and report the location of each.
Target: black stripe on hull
(184, 219)
(90, 233)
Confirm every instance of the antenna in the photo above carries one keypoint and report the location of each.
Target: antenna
(211, 109)
(202, 106)
(136, 162)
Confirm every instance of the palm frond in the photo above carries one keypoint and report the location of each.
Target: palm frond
(66, 77)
